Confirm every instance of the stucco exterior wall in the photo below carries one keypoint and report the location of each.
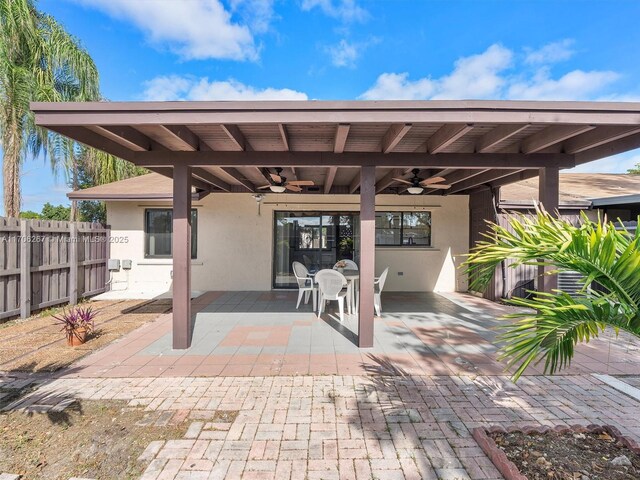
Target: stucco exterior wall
(235, 244)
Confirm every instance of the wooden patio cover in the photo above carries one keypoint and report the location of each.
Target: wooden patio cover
(344, 147)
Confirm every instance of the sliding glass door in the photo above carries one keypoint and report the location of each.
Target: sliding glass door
(315, 239)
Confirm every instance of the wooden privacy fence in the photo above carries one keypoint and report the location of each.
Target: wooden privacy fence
(45, 263)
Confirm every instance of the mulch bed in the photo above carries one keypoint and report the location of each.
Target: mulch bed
(577, 453)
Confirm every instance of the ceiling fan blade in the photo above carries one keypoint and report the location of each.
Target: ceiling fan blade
(429, 181)
(276, 178)
(293, 188)
(301, 182)
(402, 180)
(440, 186)
(263, 187)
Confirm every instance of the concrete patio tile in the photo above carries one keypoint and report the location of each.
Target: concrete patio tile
(234, 370)
(207, 370)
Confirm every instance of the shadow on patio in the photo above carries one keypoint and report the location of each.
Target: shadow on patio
(262, 334)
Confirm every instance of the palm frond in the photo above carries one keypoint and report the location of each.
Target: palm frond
(555, 322)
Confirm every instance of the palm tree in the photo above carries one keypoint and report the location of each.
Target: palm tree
(552, 324)
(39, 61)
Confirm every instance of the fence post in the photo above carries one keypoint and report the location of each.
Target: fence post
(73, 263)
(25, 269)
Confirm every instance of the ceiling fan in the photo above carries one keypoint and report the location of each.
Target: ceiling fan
(418, 184)
(279, 183)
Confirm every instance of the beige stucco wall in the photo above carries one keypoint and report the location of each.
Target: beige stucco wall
(235, 245)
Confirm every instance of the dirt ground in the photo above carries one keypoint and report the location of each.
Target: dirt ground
(93, 439)
(37, 344)
(571, 456)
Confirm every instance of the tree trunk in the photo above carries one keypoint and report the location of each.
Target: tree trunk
(11, 176)
(74, 185)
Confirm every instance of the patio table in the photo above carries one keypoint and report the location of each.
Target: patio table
(352, 276)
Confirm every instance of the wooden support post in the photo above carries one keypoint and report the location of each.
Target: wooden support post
(73, 263)
(181, 244)
(367, 254)
(549, 196)
(25, 269)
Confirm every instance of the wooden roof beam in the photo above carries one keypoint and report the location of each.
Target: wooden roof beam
(599, 136)
(211, 179)
(356, 159)
(387, 180)
(446, 135)
(126, 136)
(331, 176)
(92, 139)
(173, 137)
(342, 132)
(552, 135)
(355, 183)
(393, 135)
(238, 177)
(608, 149)
(236, 136)
(498, 135)
(482, 179)
(195, 182)
(282, 128)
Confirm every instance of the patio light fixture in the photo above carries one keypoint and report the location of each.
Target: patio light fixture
(277, 188)
(415, 190)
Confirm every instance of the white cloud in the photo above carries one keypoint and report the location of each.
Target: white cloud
(575, 85)
(550, 53)
(175, 87)
(616, 164)
(344, 10)
(489, 75)
(346, 54)
(194, 29)
(476, 76)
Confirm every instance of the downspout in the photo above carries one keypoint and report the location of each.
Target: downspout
(495, 198)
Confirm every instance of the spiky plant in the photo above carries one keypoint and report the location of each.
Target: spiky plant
(552, 324)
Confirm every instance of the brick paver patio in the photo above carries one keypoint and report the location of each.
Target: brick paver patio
(271, 393)
(347, 427)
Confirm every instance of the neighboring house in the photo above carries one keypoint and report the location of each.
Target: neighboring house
(615, 197)
(240, 244)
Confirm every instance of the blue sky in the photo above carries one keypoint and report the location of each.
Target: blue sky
(353, 49)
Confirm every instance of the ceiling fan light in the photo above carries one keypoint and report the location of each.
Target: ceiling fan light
(277, 188)
(415, 190)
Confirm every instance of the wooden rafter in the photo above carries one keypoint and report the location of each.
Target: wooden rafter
(552, 135)
(236, 136)
(597, 137)
(174, 137)
(331, 175)
(393, 136)
(126, 136)
(211, 178)
(355, 183)
(446, 135)
(284, 135)
(498, 135)
(388, 179)
(340, 140)
(482, 179)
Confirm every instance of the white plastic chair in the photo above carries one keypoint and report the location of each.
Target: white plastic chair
(332, 286)
(306, 286)
(378, 285)
(349, 264)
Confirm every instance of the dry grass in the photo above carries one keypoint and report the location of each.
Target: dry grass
(95, 439)
(38, 345)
